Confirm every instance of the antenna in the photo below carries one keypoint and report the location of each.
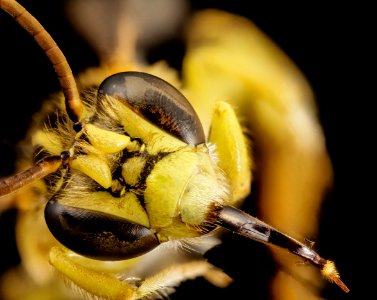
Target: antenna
(67, 81)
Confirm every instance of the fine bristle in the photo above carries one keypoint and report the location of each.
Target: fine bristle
(330, 272)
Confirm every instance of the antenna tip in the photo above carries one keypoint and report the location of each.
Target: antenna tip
(330, 272)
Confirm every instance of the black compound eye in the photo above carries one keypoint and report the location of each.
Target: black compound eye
(157, 101)
(98, 235)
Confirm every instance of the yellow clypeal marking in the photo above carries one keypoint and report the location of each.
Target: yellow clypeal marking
(232, 150)
(127, 206)
(166, 183)
(181, 188)
(106, 141)
(94, 167)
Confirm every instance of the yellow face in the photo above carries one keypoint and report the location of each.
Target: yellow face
(137, 164)
(131, 186)
(184, 188)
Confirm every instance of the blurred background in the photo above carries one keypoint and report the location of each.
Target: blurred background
(323, 41)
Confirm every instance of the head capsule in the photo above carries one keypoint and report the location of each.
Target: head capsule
(105, 236)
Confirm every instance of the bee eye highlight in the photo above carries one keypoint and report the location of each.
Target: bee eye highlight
(157, 101)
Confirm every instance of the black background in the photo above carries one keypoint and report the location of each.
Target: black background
(327, 43)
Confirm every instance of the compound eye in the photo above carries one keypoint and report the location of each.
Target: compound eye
(98, 235)
(158, 102)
